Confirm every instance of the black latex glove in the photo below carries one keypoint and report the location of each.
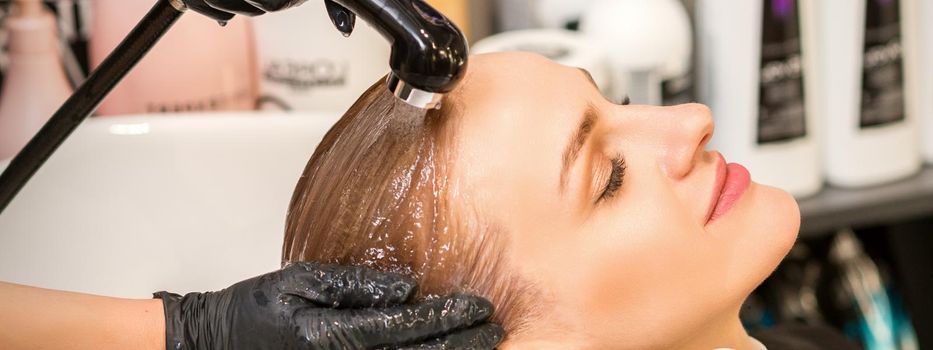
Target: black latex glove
(313, 306)
(223, 10)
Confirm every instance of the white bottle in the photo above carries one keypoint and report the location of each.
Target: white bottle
(918, 50)
(649, 44)
(562, 46)
(869, 135)
(755, 78)
(35, 84)
(306, 64)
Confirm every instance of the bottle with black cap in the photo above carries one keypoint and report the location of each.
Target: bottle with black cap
(755, 75)
(870, 135)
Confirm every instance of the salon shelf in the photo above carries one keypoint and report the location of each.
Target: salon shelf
(834, 208)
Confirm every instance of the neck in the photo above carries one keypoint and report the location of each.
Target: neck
(725, 332)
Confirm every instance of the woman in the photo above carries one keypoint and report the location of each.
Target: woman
(589, 224)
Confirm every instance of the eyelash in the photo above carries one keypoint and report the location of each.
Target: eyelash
(615, 178)
(617, 175)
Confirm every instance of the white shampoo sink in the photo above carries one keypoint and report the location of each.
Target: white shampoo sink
(131, 205)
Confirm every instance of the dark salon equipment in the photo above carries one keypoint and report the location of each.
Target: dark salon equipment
(429, 53)
(428, 58)
(847, 281)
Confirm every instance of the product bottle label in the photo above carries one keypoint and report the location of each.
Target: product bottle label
(781, 112)
(301, 75)
(882, 65)
(677, 90)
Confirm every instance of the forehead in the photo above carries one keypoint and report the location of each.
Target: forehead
(517, 112)
(531, 74)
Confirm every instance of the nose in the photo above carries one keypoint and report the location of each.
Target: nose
(691, 130)
(678, 134)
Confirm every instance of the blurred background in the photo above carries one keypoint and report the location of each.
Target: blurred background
(828, 99)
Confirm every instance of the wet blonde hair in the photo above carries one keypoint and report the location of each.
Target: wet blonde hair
(378, 192)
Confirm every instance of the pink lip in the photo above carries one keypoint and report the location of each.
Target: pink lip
(731, 182)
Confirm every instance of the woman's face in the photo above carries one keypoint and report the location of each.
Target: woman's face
(619, 255)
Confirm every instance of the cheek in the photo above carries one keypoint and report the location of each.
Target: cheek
(648, 267)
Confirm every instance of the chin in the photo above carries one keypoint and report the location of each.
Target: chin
(780, 224)
(760, 231)
(786, 209)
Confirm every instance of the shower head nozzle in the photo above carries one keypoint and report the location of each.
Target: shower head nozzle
(429, 52)
(412, 95)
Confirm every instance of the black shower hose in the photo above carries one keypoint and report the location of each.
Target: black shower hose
(88, 96)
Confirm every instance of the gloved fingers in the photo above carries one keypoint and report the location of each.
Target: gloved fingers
(398, 325)
(346, 286)
(482, 337)
(235, 6)
(203, 8)
(274, 5)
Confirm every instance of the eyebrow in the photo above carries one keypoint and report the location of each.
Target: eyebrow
(577, 140)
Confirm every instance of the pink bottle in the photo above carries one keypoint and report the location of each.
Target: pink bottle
(35, 84)
(197, 66)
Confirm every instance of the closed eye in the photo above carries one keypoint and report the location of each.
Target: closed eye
(615, 180)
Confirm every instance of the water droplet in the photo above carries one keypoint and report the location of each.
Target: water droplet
(222, 23)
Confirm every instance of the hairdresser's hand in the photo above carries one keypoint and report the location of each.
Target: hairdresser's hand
(312, 306)
(223, 10)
